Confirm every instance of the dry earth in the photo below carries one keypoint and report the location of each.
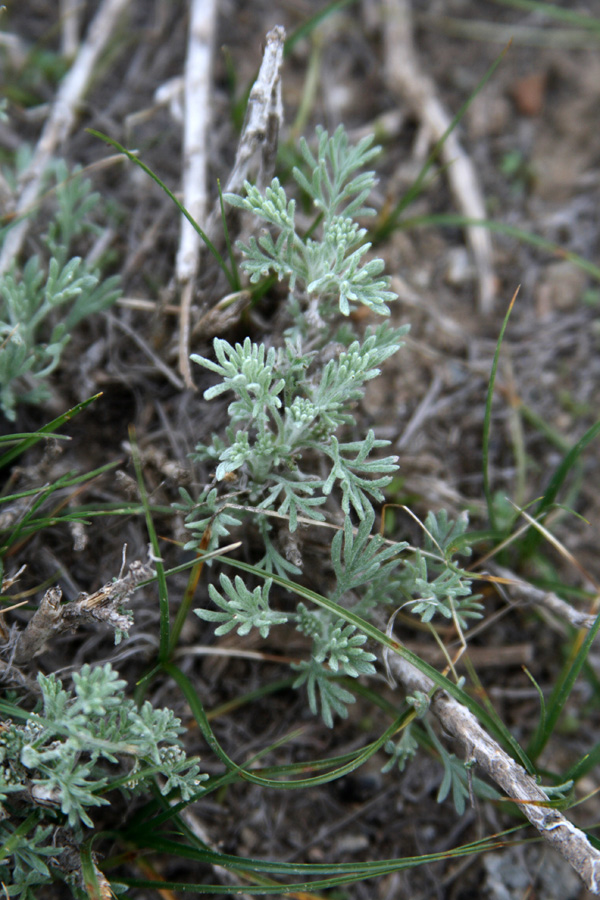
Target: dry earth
(532, 137)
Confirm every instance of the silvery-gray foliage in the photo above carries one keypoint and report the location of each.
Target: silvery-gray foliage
(43, 301)
(290, 447)
(57, 765)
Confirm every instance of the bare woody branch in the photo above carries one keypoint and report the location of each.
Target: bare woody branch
(264, 118)
(61, 121)
(198, 70)
(544, 599)
(103, 606)
(406, 77)
(256, 153)
(479, 747)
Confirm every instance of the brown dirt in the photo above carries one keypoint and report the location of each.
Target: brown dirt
(539, 111)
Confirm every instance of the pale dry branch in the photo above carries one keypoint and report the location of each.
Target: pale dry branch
(264, 118)
(545, 599)
(406, 77)
(198, 69)
(256, 154)
(103, 606)
(60, 122)
(478, 746)
(70, 17)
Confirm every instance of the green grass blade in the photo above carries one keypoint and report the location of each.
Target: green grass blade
(488, 418)
(138, 162)
(163, 591)
(561, 692)
(567, 464)
(345, 873)
(28, 524)
(313, 22)
(185, 605)
(243, 772)
(50, 428)
(24, 435)
(236, 282)
(585, 765)
(94, 883)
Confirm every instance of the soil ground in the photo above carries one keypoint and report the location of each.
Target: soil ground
(532, 136)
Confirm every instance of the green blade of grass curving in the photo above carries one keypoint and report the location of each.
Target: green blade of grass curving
(243, 772)
(346, 873)
(231, 277)
(566, 465)
(147, 819)
(46, 430)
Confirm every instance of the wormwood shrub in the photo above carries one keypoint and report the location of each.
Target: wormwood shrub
(63, 758)
(292, 455)
(43, 301)
(285, 453)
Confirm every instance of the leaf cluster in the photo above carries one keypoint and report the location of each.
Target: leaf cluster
(43, 301)
(434, 576)
(287, 451)
(329, 268)
(60, 762)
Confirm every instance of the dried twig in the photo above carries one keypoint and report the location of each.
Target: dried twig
(545, 599)
(70, 17)
(52, 617)
(198, 69)
(257, 149)
(264, 117)
(61, 121)
(145, 348)
(479, 747)
(405, 76)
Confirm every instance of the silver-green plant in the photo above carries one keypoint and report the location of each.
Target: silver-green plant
(285, 450)
(44, 300)
(57, 765)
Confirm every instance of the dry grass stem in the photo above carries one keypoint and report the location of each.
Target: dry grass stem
(406, 77)
(62, 118)
(70, 20)
(198, 72)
